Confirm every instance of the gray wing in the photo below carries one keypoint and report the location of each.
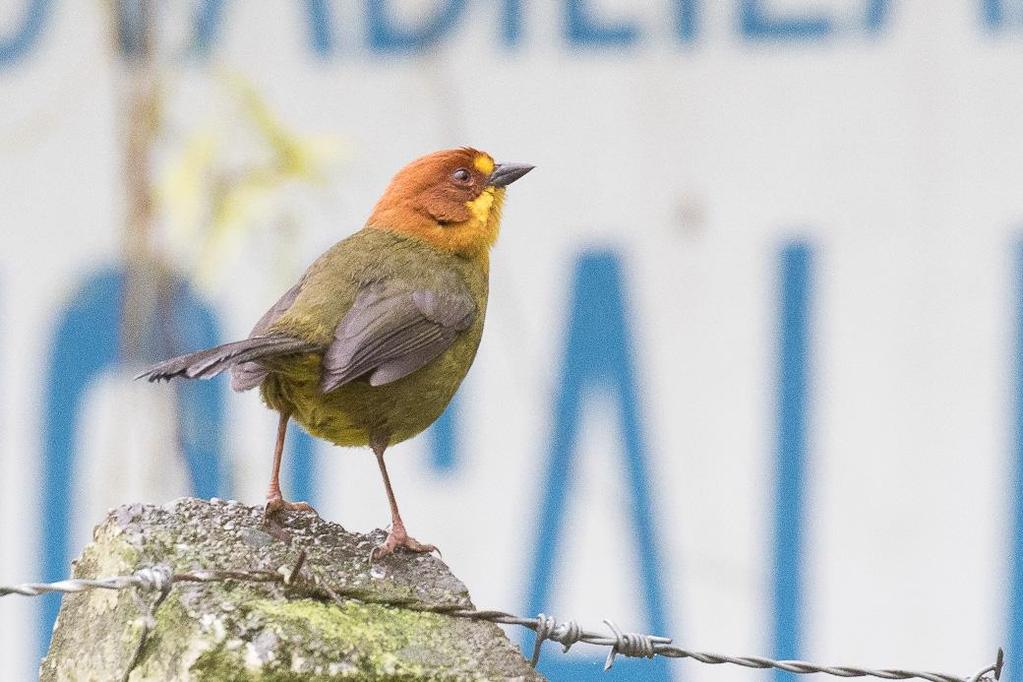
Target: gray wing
(208, 363)
(248, 375)
(391, 331)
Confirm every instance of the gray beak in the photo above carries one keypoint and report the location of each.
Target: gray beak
(507, 173)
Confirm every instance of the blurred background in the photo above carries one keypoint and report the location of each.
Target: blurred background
(750, 376)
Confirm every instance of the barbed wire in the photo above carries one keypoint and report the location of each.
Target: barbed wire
(161, 579)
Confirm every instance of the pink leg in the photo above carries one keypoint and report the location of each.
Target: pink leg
(275, 502)
(397, 537)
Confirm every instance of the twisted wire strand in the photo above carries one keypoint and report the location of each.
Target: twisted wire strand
(160, 579)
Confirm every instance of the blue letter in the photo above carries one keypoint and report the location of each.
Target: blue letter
(87, 342)
(793, 399)
(598, 357)
(1014, 638)
(207, 24)
(443, 437)
(758, 25)
(209, 12)
(511, 22)
(302, 467)
(994, 15)
(582, 28)
(321, 26)
(877, 15)
(686, 20)
(14, 48)
(384, 36)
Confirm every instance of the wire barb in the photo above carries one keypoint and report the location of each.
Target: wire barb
(631, 644)
(995, 668)
(567, 634)
(161, 579)
(544, 627)
(158, 579)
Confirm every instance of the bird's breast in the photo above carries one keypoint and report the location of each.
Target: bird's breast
(356, 412)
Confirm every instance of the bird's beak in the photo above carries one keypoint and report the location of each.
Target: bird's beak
(506, 173)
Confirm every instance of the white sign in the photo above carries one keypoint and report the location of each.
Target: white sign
(750, 376)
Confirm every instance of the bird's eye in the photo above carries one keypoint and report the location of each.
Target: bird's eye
(462, 175)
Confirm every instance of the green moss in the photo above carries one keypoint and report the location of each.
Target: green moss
(222, 665)
(353, 621)
(375, 638)
(363, 641)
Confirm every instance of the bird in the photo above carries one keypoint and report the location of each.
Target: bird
(372, 342)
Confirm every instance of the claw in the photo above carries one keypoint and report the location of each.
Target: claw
(400, 539)
(275, 505)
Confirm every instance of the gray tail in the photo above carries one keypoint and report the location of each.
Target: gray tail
(206, 364)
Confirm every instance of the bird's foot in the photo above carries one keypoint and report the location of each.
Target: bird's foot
(399, 538)
(278, 504)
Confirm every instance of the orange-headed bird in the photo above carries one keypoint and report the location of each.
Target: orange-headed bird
(372, 342)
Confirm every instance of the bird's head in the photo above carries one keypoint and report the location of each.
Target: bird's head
(451, 199)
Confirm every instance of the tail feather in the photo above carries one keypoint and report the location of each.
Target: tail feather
(208, 363)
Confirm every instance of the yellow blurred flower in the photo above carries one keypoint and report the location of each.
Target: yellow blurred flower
(212, 200)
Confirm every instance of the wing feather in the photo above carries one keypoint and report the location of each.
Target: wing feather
(206, 364)
(246, 375)
(393, 330)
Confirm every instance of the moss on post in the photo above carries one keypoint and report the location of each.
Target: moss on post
(240, 631)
